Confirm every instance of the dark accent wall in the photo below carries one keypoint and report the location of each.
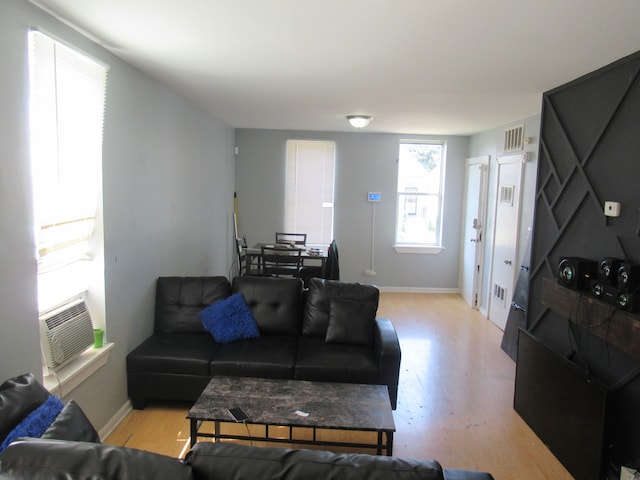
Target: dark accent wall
(589, 154)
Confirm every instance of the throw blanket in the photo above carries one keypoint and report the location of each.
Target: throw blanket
(36, 423)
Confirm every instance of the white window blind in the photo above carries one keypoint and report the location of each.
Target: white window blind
(66, 110)
(309, 189)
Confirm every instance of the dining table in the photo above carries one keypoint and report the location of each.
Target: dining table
(312, 254)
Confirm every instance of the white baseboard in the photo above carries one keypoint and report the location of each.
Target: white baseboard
(115, 420)
(417, 290)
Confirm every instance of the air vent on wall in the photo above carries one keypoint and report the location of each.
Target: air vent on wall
(514, 138)
(499, 294)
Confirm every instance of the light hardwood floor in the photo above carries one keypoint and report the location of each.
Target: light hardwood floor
(455, 401)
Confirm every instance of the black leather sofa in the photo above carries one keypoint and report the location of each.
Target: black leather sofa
(58, 460)
(27, 408)
(177, 361)
(69, 449)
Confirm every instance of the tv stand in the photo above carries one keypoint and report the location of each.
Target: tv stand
(616, 327)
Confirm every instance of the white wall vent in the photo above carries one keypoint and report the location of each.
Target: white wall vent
(514, 139)
(65, 333)
(499, 294)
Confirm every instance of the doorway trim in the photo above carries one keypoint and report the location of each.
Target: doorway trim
(478, 267)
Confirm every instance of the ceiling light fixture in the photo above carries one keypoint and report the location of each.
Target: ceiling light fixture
(359, 121)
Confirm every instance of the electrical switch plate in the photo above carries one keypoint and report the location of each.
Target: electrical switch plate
(612, 209)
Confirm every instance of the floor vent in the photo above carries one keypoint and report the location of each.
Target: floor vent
(514, 139)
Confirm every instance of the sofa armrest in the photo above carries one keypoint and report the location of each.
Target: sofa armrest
(387, 351)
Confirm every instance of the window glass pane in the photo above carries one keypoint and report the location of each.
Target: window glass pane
(66, 98)
(420, 177)
(67, 104)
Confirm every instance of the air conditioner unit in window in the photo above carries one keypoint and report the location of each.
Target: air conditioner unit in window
(65, 333)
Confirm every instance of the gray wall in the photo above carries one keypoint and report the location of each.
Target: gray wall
(364, 162)
(168, 180)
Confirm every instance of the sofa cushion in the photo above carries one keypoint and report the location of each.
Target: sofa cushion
(72, 424)
(174, 353)
(318, 305)
(38, 459)
(19, 396)
(350, 322)
(179, 301)
(229, 320)
(224, 461)
(35, 424)
(334, 362)
(275, 303)
(264, 357)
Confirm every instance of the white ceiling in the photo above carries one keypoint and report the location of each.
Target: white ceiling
(419, 66)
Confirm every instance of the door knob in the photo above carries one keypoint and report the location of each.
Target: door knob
(507, 262)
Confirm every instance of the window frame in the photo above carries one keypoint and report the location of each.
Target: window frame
(401, 196)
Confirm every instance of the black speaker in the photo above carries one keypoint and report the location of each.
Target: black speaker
(608, 270)
(605, 292)
(629, 276)
(628, 301)
(576, 272)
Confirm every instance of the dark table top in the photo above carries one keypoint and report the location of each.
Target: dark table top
(345, 406)
(307, 251)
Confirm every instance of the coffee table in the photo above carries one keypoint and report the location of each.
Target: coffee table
(286, 403)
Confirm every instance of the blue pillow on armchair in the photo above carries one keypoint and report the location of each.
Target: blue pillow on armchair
(229, 320)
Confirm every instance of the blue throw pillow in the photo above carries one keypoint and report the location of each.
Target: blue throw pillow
(37, 422)
(229, 320)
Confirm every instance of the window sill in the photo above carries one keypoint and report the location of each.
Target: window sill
(70, 376)
(431, 250)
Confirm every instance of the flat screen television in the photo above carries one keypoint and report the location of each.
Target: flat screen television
(563, 406)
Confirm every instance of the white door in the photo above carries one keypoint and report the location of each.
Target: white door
(473, 230)
(504, 266)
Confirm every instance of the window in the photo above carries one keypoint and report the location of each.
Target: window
(66, 112)
(419, 201)
(309, 189)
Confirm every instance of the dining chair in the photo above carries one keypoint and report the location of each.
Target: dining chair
(241, 245)
(280, 261)
(293, 238)
(332, 265)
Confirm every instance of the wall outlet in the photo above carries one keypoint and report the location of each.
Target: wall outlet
(370, 273)
(612, 209)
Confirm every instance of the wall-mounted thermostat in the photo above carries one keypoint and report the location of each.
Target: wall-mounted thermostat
(374, 196)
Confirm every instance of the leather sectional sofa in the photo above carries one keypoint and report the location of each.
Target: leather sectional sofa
(56, 460)
(326, 333)
(28, 409)
(68, 448)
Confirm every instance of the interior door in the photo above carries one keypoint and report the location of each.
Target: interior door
(504, 264)
(472, 266)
